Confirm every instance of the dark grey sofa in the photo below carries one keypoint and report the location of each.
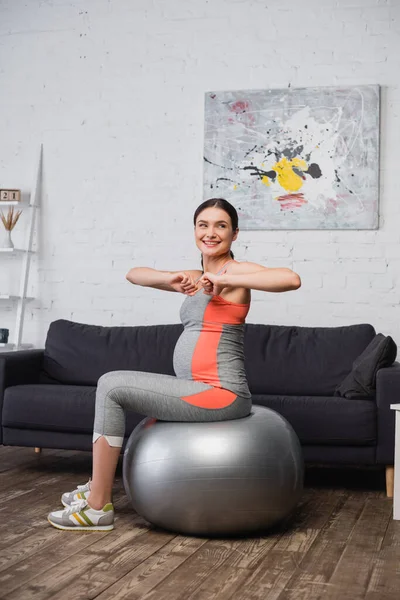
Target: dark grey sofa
(47, 396)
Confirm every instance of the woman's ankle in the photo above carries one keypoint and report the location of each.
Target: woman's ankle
(97, 502)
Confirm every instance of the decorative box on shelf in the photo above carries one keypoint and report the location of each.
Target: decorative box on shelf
(10, 196)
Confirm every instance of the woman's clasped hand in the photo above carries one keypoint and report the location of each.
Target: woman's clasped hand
(185, 284)
(212, 284)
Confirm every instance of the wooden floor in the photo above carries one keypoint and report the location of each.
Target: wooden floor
(341, 544)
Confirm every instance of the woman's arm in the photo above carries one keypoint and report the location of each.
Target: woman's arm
(256, 277)
(147, 277)
(160, 280)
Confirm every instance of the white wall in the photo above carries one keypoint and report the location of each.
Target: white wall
(115, 91)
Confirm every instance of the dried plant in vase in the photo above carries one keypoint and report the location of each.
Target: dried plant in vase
(9, 223)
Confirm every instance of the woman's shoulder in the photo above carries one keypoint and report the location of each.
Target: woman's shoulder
(237, 268)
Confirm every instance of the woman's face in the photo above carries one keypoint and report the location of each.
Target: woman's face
(213, 232)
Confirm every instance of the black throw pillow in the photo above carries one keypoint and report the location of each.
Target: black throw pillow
(361, 381)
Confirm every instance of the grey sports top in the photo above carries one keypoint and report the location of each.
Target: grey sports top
(210, 348)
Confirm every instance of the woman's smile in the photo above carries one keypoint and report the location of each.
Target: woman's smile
(209, 243)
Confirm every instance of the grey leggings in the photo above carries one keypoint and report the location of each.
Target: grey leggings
(163, 397)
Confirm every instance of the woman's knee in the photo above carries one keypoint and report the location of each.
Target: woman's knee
(110, 379)
(106, 384)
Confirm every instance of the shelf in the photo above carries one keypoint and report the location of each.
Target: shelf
(22, 203)
(10, 297)
(8, 347)
(14, 250)
(18, 300)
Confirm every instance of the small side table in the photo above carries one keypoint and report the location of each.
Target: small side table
(396, 491)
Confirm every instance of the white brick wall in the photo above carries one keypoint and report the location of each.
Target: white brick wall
(115, 92)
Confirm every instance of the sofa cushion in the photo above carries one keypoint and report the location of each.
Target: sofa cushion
(361, 381)
(327, 421)
(79, 354)
(47, 407)
(301, 360)
(70, 409)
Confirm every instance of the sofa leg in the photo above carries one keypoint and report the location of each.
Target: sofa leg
(389, 481)
(38, 450)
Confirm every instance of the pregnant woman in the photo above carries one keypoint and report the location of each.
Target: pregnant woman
(210, 382)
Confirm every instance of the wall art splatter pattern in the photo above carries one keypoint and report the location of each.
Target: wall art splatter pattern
(305, 158)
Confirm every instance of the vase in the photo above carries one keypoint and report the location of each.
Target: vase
(8, 243)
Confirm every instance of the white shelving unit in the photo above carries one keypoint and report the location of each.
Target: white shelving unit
(21, 299)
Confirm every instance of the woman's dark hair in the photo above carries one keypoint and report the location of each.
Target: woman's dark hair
(224, 205)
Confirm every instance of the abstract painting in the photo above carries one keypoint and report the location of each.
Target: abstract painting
(305, 158)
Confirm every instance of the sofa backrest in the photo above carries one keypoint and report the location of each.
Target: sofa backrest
(79, 354)
(279, 359)
(292, 360)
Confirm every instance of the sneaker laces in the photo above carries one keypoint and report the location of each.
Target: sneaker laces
(82, 487)
(76, 506)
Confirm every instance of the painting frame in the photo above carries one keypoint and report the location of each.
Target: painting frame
(259, 145)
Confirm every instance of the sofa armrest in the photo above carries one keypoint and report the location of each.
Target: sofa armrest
(387, 393)
(18, 368)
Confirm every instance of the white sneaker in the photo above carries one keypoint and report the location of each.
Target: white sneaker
(80, 516)
(81, 493)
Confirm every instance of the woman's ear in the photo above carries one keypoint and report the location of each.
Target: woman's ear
(235, 235)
